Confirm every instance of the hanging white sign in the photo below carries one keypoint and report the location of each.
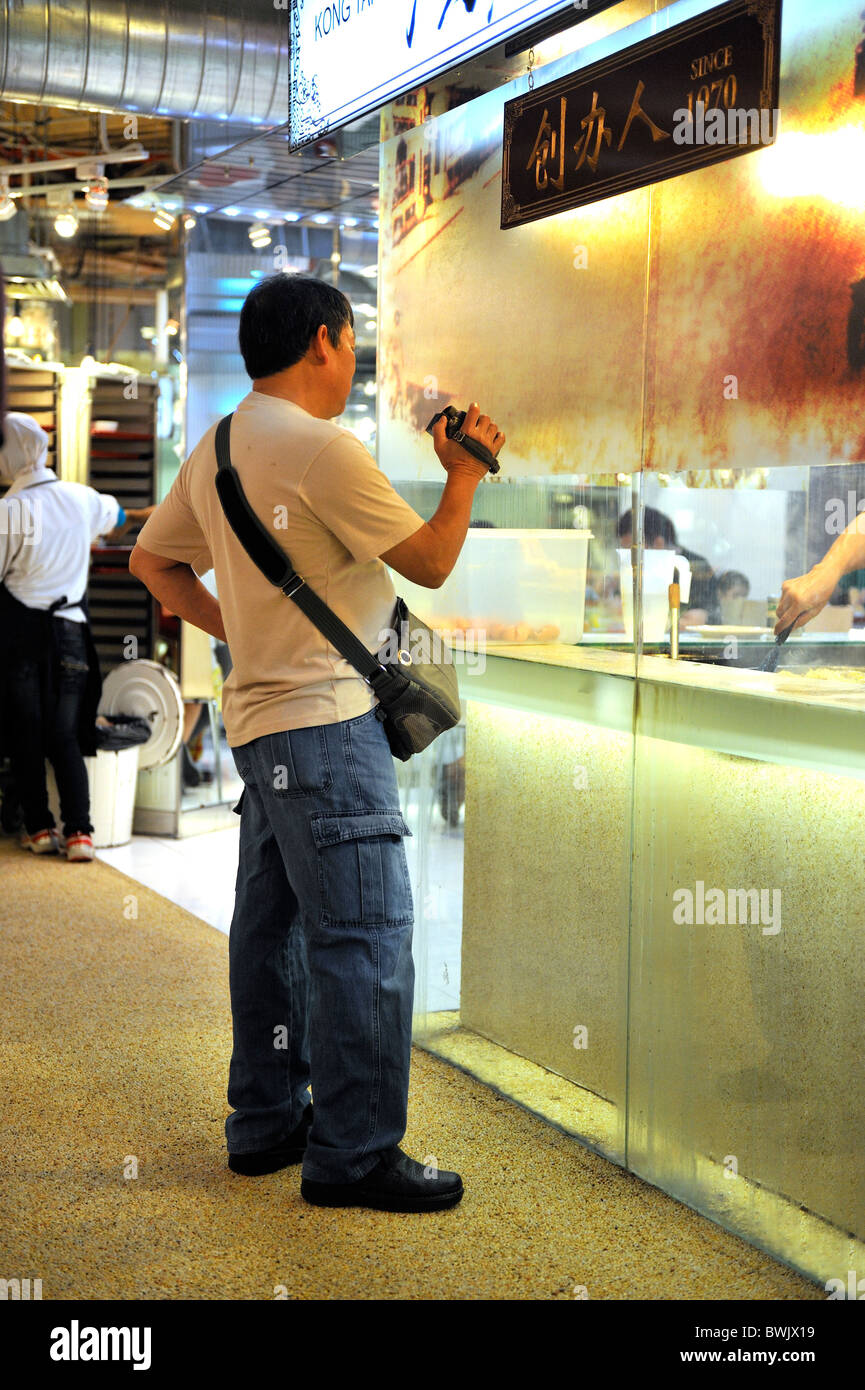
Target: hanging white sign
(351, 56)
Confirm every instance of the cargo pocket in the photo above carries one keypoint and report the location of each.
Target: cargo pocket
(296, 762)
(363, 873)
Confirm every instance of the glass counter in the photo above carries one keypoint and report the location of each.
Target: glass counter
(638, 883)
(636, 908)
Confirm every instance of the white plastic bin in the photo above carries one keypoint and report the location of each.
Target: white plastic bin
(511, 586)
(112, 778)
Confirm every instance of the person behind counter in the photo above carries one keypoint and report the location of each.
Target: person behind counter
(733, 588)
(807, 595)
(659, 533)
(51, 681)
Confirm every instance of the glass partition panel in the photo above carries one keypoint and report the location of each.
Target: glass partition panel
(521, 817)
(746, 1096)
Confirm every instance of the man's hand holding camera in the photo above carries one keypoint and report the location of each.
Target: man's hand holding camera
(455, 459)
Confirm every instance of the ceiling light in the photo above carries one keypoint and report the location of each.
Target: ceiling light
(96, 194)
(163, 220)
(200, 207)
(321, 218)
(15, 326)
(7, 205)
(259, 235)
(66, 223)
(189, 222)
(291, 216)
(350, 222)
(231, 212)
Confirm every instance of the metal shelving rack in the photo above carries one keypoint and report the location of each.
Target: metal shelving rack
(35, 390)
(123, 463)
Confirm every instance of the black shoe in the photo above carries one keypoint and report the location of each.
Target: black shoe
(291, 1150)
(397, 1183)
(191, 775)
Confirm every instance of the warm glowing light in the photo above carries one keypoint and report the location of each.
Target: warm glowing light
(8, 207)
(831, 165)
(66, 223)
(163, 220)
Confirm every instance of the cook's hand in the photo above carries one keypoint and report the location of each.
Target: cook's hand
(454, 458)
(803, 598)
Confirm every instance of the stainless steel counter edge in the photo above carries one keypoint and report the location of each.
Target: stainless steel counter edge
(744, 713)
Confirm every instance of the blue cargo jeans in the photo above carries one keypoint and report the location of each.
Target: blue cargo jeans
(320, 964)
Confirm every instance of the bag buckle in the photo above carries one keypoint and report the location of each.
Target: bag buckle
(289, 593)
(381, 675)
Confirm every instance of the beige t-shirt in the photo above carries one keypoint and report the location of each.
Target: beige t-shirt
(334, 512)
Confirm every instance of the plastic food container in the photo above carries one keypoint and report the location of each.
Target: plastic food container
(658, 566)
(509, 586)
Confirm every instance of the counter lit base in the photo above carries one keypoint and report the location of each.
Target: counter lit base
(768, 1220)
(578, 830)
(596, 1122)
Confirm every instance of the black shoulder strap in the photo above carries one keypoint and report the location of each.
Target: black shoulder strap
(275, 565)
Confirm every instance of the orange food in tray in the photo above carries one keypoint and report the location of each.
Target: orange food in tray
(492, 631)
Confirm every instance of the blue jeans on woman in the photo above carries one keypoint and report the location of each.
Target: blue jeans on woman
(38, 730)
(320, 964)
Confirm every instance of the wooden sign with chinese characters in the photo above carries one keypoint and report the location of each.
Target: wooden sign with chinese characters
(701, 92)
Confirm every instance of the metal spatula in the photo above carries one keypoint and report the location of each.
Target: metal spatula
(771, 661)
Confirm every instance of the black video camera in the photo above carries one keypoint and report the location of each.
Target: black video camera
(454, 431)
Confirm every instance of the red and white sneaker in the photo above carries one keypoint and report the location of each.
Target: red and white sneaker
(78, 848)
(43, 842)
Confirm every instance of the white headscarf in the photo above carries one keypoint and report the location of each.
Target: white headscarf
(26, 445)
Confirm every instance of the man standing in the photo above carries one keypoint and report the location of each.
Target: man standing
(320, 964)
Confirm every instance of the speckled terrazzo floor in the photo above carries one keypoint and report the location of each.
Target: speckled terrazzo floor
(117, 1040)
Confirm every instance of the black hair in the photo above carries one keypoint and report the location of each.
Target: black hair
(280, 317)
(654, 524)
(731, 577)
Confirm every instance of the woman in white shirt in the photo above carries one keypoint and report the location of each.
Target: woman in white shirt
(51, 681)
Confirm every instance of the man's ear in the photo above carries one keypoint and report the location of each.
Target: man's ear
(321, 344)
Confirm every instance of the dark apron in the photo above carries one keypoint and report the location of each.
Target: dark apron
(31, 634)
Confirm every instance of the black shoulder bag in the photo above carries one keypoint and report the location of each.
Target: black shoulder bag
(418, 697)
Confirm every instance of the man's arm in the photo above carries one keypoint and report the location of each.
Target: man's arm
(428, 556)
(803, 598)
(179, 589)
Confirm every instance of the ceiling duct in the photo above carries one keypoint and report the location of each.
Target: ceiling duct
(195, 58)
(20, 260)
